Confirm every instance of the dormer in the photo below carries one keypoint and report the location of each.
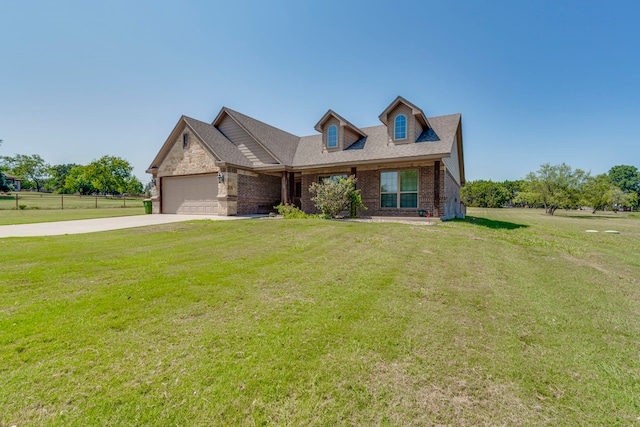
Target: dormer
(404, 121)
(337, 133)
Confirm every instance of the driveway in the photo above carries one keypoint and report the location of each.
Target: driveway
(103, 224)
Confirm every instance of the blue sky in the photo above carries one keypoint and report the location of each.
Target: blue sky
(536, 82)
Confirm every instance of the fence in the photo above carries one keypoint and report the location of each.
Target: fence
(25, 200)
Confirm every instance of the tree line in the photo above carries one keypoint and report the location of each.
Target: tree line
(106, 175)
(559, 186)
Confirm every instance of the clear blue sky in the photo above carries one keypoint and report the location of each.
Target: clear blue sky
(535, 81)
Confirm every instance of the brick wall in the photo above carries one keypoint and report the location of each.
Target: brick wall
(369, 185)
(258, 193)
(305, 199)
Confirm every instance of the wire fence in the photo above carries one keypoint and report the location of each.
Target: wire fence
(25, 200)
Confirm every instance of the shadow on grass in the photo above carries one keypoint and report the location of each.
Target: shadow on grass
(490, 223)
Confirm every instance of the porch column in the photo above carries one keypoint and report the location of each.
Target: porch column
(284, 190)
(436, 189)
(292, 186)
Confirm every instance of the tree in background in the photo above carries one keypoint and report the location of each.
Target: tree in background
(57, 176)
(598, 192)
(554, 186)
(32, 169)
(4, 185)
(112, 175)
(77, 181)
(620, 199)
(485, 194)
(626, 178)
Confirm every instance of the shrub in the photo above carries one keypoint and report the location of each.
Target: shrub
(337, 194)
(291, 212)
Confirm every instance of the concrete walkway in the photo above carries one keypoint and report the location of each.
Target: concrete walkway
(102, 224)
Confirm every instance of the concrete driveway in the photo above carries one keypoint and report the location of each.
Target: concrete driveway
(102, 224)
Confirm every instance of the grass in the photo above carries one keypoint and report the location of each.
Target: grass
(510, 317)
(32, 200)
(49, 215)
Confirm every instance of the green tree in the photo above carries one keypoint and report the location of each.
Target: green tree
(4, 185)
(554, 186)
(32, 169)
(485, 194)
(77, 181)
(334, 195)
(110, 175)
(598, 192)
(58, 175)
(134, 187)
(627, 178)
(620, 199)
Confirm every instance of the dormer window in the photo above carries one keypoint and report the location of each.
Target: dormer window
(400, 131)
(332, 137)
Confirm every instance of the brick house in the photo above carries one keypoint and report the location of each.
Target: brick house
(238, 165)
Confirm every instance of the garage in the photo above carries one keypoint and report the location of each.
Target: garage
(191, 194)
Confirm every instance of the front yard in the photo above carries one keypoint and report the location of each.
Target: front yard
(508, 318)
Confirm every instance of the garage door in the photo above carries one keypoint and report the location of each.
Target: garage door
(190, 194)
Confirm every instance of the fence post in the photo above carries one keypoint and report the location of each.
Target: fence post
(62, 201)
(96, 201)
(124, 200)
(16, 201)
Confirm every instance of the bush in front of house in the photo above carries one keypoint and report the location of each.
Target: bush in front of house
(336, 194)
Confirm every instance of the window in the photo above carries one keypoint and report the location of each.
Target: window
(400, 127)
(185, 140)
(321, 178)
(399, 189)
(332, 136)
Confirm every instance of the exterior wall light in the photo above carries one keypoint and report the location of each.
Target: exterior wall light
(220, 178)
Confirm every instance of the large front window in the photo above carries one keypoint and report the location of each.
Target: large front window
(399, 189)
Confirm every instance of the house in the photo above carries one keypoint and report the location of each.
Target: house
(238, 165)
(13, 181)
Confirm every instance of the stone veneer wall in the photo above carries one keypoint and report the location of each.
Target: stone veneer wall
(182, 161)
(258, 193)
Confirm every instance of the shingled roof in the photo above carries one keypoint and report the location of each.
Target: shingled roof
(376, 148)
(279, 143)
(296, 152)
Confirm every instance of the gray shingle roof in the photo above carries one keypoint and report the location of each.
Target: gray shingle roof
(375, 147)
(305, 152)
(218, 143)
(278, 142)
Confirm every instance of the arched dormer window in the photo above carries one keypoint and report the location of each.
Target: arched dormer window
(332, 136)
(400, 130)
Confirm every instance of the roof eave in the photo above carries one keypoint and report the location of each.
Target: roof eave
(374, 161)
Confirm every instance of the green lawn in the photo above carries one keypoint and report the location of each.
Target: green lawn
(49, 215)
(32, 200)
(510, 317)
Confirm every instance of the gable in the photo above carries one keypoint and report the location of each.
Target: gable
(181, 159)
(253, 151)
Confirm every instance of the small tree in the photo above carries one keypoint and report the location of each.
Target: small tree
(554, 186)
(337, 194)
(4, 185)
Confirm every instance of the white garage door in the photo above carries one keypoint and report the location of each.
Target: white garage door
(190, 194)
